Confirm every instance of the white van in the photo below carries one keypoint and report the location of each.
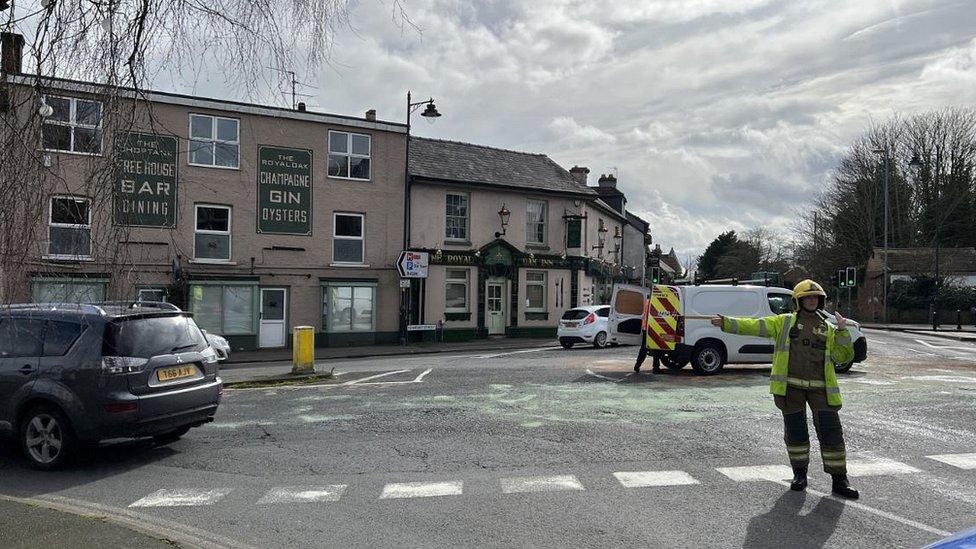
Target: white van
(708, 348)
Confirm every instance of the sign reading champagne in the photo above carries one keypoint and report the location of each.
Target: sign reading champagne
(284, 191)
(145, 195)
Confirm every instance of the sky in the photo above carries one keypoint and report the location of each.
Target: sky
(715, 115)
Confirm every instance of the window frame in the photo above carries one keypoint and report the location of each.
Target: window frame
(467, 217)
(458, 281)
(223, 285)
(361, 238)
(327, 305)
(349, 155)
(72, 124)
(544, 223)
(544, 284)
(213, 140)
(228, 232)
(151, 289)
(51, 223)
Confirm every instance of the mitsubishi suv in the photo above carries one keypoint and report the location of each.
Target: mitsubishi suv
(74, 375)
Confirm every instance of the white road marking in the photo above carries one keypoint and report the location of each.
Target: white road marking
(941, 347)
(873, 511)
(962, 461)
(608, 378)
(866, 468)
(536, 350)
(289, 494)
(945, 379)
(377, 376)
(540, 484)
(182, 498)
(641, 479)
(757, 472)
(870, 381)
(398, 490)
(921, 352)
(420, 378)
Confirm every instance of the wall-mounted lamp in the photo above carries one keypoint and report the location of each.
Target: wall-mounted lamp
(503, 214)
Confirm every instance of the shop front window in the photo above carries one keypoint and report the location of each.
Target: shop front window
(349, 308)
(223, 309)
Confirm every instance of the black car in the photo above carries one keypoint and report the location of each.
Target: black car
(75, 375)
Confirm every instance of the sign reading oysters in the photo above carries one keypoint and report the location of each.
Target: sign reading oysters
(284, 191)
(145, 194)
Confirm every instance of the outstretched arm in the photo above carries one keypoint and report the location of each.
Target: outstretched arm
(759, 327)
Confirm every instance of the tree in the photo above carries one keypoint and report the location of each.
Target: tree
(708, 261)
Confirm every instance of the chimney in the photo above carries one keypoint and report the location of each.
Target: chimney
(301, 107)
(371, 115)
(579, 174)
(608, 181)
(11, 53)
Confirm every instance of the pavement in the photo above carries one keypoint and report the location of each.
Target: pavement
(548, 447)
(947, 331)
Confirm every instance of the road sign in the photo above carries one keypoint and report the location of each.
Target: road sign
(404, 282)
(421, 327)
(413, 264)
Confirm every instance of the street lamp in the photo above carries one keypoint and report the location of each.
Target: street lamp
(884, 269)
(617, 237)
(503, 214)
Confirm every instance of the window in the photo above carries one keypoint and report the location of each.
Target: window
(67, 290)
(211, 242)
(225, 309)
(349, 308)
(151, 294)
(60, 336)
(574, 232)
(75, 126)
(69, 229)
(349, 155)
(780, 303)
(456, 227)
(154, 336)
(535, 222)
(603, 312)
(535, 291)
(214, 141)
(347, 244)
(21, 337)
(456, 291)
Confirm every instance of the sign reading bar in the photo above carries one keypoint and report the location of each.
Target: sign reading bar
(145, 194)
(284, 191)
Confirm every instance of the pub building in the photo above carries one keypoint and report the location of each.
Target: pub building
(514, 240)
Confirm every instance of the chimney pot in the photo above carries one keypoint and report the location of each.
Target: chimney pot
(371, 115)
(579, 173)
(608, 180)
(11, 53)
(301, 107)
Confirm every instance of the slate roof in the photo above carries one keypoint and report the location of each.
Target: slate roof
(443, 160)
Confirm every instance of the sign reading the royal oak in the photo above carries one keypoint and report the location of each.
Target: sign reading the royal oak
(145, 193)
(284, 191)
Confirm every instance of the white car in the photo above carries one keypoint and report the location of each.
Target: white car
(219, 344)
(584, 325)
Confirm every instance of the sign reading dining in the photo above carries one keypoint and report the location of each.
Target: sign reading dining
(284, 191)
(145, 195)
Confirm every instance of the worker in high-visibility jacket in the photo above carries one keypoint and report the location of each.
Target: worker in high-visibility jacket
(806, 349)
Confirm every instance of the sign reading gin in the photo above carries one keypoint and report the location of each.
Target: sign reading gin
(284, 191)
(145, 194)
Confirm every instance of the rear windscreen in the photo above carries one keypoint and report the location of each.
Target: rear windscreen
(629, 303)
(152, 336)
(575, 314)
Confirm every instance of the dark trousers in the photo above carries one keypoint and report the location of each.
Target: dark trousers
(826, 421)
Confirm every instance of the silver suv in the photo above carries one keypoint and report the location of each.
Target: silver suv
(74, 375)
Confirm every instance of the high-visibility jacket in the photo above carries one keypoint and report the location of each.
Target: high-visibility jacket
(840, 350)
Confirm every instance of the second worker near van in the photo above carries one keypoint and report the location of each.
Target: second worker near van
(806, 348)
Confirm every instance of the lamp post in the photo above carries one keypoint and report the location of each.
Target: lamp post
(884, 268)
(431, 114)
(503, 214)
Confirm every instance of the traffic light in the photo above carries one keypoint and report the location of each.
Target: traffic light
(851, 277)
(655, 275)
(834, 280)
(842, 278)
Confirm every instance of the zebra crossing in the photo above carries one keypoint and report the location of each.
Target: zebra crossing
(333, 493)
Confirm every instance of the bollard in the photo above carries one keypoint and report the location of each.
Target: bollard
(958, 320)
(303, 350)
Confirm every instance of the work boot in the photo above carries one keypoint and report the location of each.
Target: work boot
(843, 488)
(799, 482)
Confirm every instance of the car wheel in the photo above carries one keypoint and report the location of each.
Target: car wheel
(567, 344)
(672, 362)
(600, 341)
(46, 437)
(843, 368)
(708, 359)
(172, 436)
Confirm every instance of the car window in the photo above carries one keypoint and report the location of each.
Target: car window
(21, 337)
(603, 312)
(575, 314)
(780, 303)
(60, 336)
(149, 337)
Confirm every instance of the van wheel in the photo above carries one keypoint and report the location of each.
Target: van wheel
(708, 359)
(46, 438)
(600, 341)
(672, 362)
(172, 436)
(843, 368)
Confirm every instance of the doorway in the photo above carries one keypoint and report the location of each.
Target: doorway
(271, 332)
(495, 306)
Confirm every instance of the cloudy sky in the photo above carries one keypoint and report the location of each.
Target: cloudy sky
(715, 114)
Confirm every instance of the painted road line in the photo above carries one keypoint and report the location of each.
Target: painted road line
(290, 494)
(182, 498)
(875, 467)
(942, 348)
(398, 490)
(608, 378)
(377, 376)
(962, 461)
(921, 352)
(540, 484)
(642, 479)
(517, 352)
(873, 511)
(420, 378)
(757, 472)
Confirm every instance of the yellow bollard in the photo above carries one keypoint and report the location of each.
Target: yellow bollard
(303, 350)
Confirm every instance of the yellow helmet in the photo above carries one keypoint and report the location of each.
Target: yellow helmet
(807, 288)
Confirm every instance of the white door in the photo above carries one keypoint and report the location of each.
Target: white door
(626, 313)
(272, 329)
(495, 305)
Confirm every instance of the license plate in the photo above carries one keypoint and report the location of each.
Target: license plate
(571, 324)
(179, 372)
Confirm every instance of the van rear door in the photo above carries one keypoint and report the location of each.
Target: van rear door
(626, 313)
